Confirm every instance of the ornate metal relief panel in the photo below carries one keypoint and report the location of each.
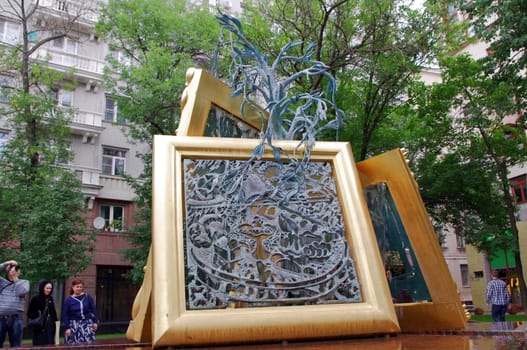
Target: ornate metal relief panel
(262, 242)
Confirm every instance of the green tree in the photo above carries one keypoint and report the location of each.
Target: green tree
(42, 207)
(161, 40)
(458, 193)
(501, 91)
(375, 50)
(465, 181)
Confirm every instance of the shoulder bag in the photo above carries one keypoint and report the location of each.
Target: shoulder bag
(40, 321)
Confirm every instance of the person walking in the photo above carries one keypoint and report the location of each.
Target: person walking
(498, 297)
(43, 304)
(79, 315)
(12, 301)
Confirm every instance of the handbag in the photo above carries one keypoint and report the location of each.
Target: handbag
(40, 321)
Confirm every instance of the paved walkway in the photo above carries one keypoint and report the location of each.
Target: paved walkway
(477, 336)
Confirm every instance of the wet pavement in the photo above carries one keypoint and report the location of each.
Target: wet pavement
(477, 336)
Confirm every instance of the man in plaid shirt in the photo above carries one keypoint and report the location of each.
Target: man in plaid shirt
(498, 296)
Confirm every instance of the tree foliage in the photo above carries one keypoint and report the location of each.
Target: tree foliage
(375, 50)
(502, 25)
(160, 41)
(42, 205)
(494, 88)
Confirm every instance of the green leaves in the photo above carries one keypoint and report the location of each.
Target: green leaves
(161, 40)
(41, 203)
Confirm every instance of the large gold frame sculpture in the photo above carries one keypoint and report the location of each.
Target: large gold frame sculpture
(205, 92)
(175, 325)
(445, 310)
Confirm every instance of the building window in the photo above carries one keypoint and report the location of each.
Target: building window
(61, 153)
(64, 98)
(3, 139)
(6, 89)
(113, 216)
(66, 45)
(113, 161)
(465, 280)
(62, 5)
(122, 58)
(460, 242)
(519, 188)
(111, 111)
(9, 32)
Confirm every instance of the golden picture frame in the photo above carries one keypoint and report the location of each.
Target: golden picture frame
(204, 92)
(445, 310)
(174, 324)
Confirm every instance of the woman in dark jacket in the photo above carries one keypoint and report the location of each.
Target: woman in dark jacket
(37, 306)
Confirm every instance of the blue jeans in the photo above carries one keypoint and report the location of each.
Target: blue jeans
(498, 312)
(13, 327)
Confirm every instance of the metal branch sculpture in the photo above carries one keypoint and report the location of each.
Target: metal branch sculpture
(291, 114)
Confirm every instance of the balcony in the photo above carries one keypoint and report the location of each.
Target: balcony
(87, 124)
(90, 180)
(116, 188)
(85, 67)
(87, 11)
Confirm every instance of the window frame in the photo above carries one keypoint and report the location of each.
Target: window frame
(59, 95)
(465, 275)
(62, 155)
(4, 139)
(115, 158)
(460, 242)
(6, 88)
(113, 223)
(123, 58)
(113, 111)
(9, 36)
(120, 57)
(518, 186)
(66, 45)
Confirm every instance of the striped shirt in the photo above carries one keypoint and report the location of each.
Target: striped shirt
(12, 296)
(497, 293)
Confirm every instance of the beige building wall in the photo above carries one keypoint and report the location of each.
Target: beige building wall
(454, 251)
(479, 271)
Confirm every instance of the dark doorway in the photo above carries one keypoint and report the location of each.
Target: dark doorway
(115, 294)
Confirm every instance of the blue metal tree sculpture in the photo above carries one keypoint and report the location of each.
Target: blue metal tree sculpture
(290, 114)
